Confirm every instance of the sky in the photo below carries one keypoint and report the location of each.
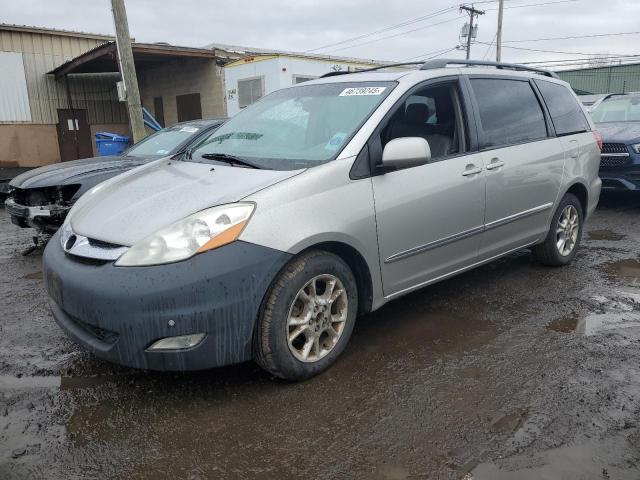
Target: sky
(429, 27)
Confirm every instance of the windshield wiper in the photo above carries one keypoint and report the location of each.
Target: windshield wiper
(230, 159)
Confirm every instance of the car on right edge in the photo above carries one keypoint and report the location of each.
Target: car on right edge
(617, 117)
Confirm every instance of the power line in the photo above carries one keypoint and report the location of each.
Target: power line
(490, 45)
(435, 54)
(546, 51)
(535, 4)
(571, 38)
(386, 29)
(394, 35)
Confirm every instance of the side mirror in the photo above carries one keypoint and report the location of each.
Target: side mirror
(406, 152)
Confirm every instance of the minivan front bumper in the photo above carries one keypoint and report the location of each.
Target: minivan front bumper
(118, 312)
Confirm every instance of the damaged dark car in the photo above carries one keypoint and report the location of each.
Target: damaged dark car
(41, 198)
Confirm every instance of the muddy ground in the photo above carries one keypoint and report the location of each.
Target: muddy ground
(511, 371)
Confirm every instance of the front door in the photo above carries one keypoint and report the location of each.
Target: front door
(74, 134)
(524, 163)
(430, 217)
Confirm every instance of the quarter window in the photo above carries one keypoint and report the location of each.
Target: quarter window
(509, 112)
(567, 116)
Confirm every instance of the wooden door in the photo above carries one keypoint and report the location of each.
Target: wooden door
(74, 134)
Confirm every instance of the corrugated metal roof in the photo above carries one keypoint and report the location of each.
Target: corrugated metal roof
(252, 51)
(54, 31)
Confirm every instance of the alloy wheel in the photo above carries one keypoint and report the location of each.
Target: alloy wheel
(567, 230)
(317, 318)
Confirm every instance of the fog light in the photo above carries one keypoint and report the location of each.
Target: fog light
(178, 343)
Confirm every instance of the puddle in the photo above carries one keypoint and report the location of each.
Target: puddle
(603, 460)
(563, 325)
(9, 382)
(33, 276)
(605, 235)
(595, 323)
(628, 269)
(510, 422)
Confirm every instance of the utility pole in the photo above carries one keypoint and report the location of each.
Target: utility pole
(472, 14)
(128, 70)
(499, 33)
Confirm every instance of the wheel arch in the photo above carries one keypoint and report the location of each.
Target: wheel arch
(581, 192)
(358, 265)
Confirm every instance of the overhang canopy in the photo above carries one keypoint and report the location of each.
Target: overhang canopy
(103, 58)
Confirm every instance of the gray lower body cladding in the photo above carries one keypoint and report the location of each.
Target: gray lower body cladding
(118, 312)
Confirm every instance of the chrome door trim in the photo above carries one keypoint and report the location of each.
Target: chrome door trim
(465, 234)
(435, 244)
(455, 272)
(517, 216)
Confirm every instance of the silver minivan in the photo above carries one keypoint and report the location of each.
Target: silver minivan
(317, 204)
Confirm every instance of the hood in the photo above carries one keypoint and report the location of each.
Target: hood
(68, 173)
(619, 132)
(130, 207)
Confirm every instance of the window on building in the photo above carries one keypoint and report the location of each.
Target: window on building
(189, 107)
(509, 112)
(302, 78)
(250, 90)
(158, 110)
(566, 113)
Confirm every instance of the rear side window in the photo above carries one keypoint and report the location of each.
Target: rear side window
(566, 114)
(509, 112)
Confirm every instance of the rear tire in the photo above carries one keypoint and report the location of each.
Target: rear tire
(563, 239)
(307, 316)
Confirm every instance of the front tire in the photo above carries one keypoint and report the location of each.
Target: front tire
(563, 239)
(307, 317)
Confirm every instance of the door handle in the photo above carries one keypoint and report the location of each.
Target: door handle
(495, 163)
(471, 170)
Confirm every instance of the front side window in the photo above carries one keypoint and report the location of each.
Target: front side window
(566, 114)
(509, 112)
(429, 113)
(164, 142)
(618, 109)
(296, 127)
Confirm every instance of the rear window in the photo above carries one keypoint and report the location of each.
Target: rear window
(509, 112)
(566, 114)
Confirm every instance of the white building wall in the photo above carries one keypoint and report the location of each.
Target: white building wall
(14, 99)
(278, 72)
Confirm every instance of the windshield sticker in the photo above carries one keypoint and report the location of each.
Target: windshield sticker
(334, 142)
(347, 92)
(189, 129)
(162, 152)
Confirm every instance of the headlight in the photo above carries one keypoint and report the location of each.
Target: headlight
(197, 233)
(636, 147)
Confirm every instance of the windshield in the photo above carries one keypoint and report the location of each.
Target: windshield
(296, 127)
(623, 109)
(163, 142)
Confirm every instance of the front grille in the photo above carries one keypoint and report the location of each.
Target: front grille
(608, 161)
(614, 148)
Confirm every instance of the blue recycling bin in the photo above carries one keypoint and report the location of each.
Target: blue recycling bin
(111, 143)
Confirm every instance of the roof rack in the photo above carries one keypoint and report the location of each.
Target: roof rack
(373, 69)
(443, 62)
